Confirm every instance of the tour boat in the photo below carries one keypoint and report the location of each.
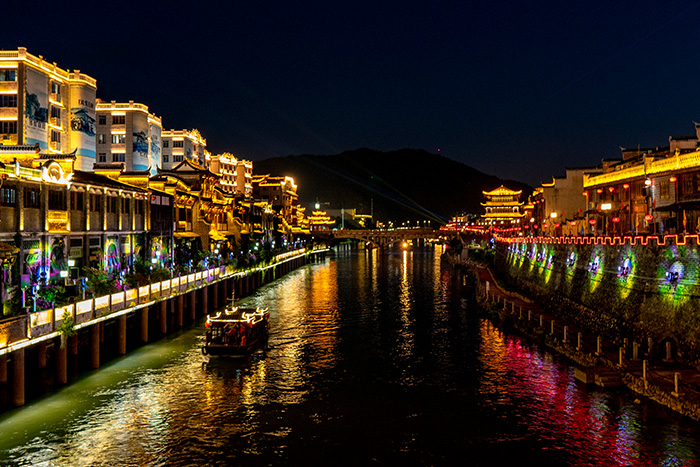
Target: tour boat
(236, 331)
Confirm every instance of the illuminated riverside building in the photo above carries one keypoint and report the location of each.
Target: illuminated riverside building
(62, 220)
(179, 145)
(320, 220)
(280, 193)
(503, 209)
(42, 104)
(128, 135)
(649, 191)
(559, 207)
(236, 174)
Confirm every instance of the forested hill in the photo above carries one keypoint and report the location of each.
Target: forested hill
(406, 184)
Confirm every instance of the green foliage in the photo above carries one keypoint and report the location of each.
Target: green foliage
(100, 282)
(67, 326)
(13, 306)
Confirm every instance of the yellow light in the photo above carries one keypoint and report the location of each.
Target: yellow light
(606, 206)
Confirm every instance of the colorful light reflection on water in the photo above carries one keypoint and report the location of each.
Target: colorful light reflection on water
(373, 359)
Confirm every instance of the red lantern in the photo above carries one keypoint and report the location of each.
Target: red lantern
(557, 224)
(611, 189)
(591, 221)
(544, 226)
(648, 217)
(626, 186)
(673, 179)
(616, 219)
(534, 226)
(599, 190)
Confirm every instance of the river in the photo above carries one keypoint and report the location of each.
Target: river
(372, 360)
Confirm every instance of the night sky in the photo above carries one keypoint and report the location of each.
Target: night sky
(517, 89)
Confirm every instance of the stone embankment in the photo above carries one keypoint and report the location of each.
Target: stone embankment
(665, 380)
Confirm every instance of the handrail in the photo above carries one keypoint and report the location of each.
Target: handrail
(43, 322)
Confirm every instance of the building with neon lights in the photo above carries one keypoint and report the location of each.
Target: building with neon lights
(503, 208)
(236, 174)
(128, 135)
(42, 104)
(179, 145)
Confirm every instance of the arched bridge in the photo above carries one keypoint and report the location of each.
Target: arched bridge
(383, 238)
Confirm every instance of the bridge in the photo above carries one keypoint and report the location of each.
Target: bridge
(383, 238)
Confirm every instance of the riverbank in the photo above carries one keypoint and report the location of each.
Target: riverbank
(633, 365)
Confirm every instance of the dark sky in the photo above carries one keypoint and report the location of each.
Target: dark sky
(518, 89)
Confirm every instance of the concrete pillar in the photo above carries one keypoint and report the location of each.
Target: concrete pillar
(3, 369)
(18, 377)
(61, 359)
(179, 304)
(578, 345)
(676, 384)
(621, 356)
(163, 316)
(193, 305)
(529, 314)
(144, 325)
(205, 300)
(598, 345)
(551, 330)
(566, 328)
(95, 346)
(541, 318)
(41, 354)
(645, 364)
(121, 345)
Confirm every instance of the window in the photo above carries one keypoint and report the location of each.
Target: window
(178, 158)
(55, 87)
(118, 157)
(101, 139)
(55, 112)
(8, 74)
(663, 190)
(102, 157)
(8, 196)
(687, 184)
(126, 205)
(118, 139)
(166, 144)
(118, 119)
(102, 120)
(96, 203)
(178, 144)
(8, 100)
(32, 198)
(55, 136)
(8, 127)
(166, 158)
(76, 201)
(112, 204)
(57, 200)
(138, 207)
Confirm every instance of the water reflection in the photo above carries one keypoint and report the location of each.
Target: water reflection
(372, 359)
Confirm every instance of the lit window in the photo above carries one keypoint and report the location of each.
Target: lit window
(118, 139)
(118, 119)
(8, 100)
(118, 157)
(8, 75)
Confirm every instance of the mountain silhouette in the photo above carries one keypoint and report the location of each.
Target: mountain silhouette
(401, 185)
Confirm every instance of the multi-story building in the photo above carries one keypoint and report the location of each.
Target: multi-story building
(128, 135)
(236, 174)
(503, 209)
(62, 219)
(179, 145)
(279, 192)
(559, 207)
(42, 104)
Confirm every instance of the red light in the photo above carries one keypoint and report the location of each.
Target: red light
(534, 226)
(611, 189)
(527, 227)
(557, 224)
(592, 221)
(626, 186)
(616, 219)
(544, 226)
(599, 190)
(673, 179)
(648, 217)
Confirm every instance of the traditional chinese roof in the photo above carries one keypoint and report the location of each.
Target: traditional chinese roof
(502, 191)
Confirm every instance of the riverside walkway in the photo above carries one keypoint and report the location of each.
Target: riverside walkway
(667, 381)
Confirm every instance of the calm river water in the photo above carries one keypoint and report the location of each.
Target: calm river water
(372, 360)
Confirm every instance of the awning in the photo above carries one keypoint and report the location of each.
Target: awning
(185, 234)
(680, 206)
